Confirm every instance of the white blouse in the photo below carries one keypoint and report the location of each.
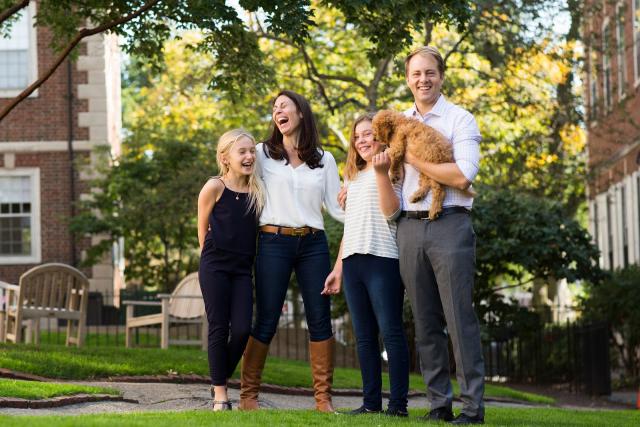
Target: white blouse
(295, 196)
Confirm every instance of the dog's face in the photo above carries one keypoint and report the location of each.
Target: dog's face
(384, 126)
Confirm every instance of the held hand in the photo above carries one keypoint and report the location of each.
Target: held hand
(381, 162)
(342, 197)
(332, 284)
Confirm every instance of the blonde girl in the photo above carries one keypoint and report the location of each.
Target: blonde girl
(228, 210)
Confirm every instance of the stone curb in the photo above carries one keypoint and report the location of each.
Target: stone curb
(7, 373)
(277, 389)
(56, 402)
(235, 384)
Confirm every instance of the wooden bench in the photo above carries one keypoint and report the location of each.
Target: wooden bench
(50, 290)
(184, 306)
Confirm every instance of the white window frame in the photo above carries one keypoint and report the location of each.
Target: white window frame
(635, 213)
(603, 229)
(631, 207)
(636, 40)
(36, 247)
(607, 96)
(33, 56)
(620, 50)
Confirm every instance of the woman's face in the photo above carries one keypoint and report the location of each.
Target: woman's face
(365, 144)
(286, 115)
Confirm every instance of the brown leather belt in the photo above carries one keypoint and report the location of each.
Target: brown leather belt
(288, 231)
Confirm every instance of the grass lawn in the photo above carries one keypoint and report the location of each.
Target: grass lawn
(53, 361)
(38, 390)
(547, 417)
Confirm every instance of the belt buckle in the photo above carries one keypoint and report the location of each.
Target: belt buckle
(298, 232)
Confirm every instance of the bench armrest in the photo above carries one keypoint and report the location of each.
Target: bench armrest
(147, 303)
(9, 286)
(167, 296)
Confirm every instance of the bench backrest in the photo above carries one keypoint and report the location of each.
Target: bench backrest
(187, 308)
(53, 286)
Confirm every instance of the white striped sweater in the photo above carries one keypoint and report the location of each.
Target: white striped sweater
(366, 230)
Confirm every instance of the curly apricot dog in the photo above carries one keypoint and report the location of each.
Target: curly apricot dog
(402, 133)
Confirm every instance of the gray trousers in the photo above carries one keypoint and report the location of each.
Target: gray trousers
(437, 265)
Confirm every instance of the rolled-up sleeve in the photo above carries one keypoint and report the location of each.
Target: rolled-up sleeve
(332, 188)
(466, 146)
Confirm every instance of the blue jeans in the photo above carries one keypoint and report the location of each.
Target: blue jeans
(374, 293)
(278, 255)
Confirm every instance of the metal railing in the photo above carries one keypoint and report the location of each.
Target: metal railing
(569, 353)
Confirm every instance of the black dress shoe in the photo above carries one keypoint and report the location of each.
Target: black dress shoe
(362, 411)
(395, 412)
(464, 419)
(439, 414)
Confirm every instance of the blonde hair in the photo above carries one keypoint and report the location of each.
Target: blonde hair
(424, 51)
(355, 162)
(256, 188)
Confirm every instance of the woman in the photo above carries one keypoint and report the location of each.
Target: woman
(368, 259)
(299, 178)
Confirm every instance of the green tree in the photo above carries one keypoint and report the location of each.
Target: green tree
(507, 66)
(148, 195)
(147, 25)
(616, 302)
(521, 238)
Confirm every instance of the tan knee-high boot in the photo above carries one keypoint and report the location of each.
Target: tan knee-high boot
(322, 355)
(252, 365)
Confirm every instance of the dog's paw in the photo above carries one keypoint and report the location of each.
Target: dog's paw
(416, 197)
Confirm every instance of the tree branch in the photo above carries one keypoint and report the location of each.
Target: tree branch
(85, 32)
(349, 101)
(494, 290)
(456, 46)
(372, 90)
(12, 10)
(338, 77)
(336, 146)
(338, 133)
(428, 32)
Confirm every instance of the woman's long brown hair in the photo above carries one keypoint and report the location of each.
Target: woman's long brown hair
(309, 150)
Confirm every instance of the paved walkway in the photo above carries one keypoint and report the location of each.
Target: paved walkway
(181, 397)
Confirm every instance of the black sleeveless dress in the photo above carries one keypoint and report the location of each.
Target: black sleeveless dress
(230, 243)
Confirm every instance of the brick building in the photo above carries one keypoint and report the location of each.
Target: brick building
(612, 35)
(43, 143)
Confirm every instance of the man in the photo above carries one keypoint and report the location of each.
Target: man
(437, 258)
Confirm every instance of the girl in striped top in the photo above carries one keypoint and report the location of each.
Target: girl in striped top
(368, 261)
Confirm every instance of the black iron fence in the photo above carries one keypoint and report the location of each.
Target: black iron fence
(571, 353)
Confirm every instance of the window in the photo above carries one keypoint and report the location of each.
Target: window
(593, 85)
(620, 50)
(606, 65)
(18, 59)
(636, 38)
(19, 216)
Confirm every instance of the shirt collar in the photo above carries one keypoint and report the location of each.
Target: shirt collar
(437, 110)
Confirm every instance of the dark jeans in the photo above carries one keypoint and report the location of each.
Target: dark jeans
(227, 289)
(374, 293)
(279, 255)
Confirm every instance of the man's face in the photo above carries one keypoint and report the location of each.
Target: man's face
(424, 79)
